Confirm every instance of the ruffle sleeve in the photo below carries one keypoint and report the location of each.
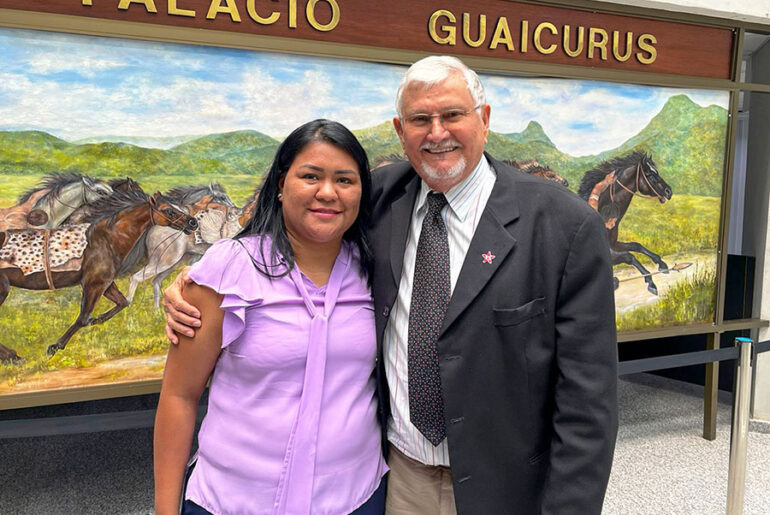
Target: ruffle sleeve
(227, 268)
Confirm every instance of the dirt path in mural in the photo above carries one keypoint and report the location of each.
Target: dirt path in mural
(109, 372)
(633, 291)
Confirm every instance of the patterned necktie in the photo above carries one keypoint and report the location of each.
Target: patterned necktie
(430, 298)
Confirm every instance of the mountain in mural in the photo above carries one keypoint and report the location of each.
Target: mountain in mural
(140, 141)
(686, 142)
(244, 152)
(379, 141)
(234, 153)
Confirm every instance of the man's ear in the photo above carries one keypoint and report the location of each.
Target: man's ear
(485, 112)
(399, 128)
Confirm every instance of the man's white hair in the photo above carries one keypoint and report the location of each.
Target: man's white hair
(437, 68)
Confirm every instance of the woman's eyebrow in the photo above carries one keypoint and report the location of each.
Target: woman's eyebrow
(312, 167)
(317, 168)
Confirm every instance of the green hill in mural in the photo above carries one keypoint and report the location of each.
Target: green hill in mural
(243, 152)
(379, 141)
(687, 143)
(235, 153)
(29, 151)
(685, 140)
(531, 143)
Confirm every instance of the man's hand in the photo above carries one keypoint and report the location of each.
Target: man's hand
(181, 316)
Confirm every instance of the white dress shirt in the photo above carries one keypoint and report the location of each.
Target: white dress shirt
(466, 202)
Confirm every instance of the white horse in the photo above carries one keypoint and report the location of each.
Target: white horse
(48, 205)
(168, 248)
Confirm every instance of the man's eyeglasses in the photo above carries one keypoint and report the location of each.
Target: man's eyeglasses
(447, 118)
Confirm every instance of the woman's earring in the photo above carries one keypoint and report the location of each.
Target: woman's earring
(280, 196)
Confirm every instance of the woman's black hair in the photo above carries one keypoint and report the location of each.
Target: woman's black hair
(267, 219)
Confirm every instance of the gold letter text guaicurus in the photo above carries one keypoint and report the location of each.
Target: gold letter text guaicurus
(646, 42)
(148, 4)
(467, 30)
(580, 41)
(292, 14)
(538, 30)
(251, 8)
(216, 7)
(524, 36)
(310, 12)
(176, 11)
(449, 31)
(87, 2)
(601, 44)
(502, 35)
(616, 46)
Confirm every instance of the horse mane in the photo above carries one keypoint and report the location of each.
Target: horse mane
(119, 200)
(55, 182)
(191, 194)
(117, 184)
(530, 166)
(597, 174)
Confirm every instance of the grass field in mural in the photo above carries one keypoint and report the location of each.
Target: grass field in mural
(30, 321)
(172, 115)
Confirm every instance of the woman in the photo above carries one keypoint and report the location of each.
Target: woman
(287, 328)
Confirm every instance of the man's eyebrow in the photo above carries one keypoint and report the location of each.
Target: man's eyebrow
(441, 109)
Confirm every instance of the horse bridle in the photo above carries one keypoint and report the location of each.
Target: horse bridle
(636, 193)
(172, 221)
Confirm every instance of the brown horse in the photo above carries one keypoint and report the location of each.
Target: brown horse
(247, 211)
(609, 189)
(532, 167)
(117, 225)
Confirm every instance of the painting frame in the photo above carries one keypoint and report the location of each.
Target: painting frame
(131, 30)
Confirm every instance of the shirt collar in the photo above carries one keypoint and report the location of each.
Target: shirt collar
(457, 195)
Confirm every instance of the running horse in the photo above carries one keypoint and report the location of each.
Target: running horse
(166, 248)
(81, 214)
(109, 245)
(48, 205)
(609, 188)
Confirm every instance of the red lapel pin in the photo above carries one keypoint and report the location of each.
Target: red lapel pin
(488, 257)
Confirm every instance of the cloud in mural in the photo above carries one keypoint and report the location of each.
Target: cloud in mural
(583, 117)
(169, 90)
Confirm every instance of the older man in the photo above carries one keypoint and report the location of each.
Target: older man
(495, 319)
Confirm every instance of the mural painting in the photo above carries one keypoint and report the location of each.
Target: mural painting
(87, 136)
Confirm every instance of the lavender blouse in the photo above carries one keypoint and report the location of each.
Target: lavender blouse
(291, 426)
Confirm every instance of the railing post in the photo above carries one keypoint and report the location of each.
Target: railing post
(736, 474)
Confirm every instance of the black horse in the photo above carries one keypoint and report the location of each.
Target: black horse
(635, 175)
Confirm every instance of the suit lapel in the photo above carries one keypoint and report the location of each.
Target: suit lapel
(493, 236)
(401, 215)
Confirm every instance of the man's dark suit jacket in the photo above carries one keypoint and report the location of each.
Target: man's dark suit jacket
(527, 352)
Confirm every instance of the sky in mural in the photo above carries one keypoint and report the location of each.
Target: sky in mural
(79, 87)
